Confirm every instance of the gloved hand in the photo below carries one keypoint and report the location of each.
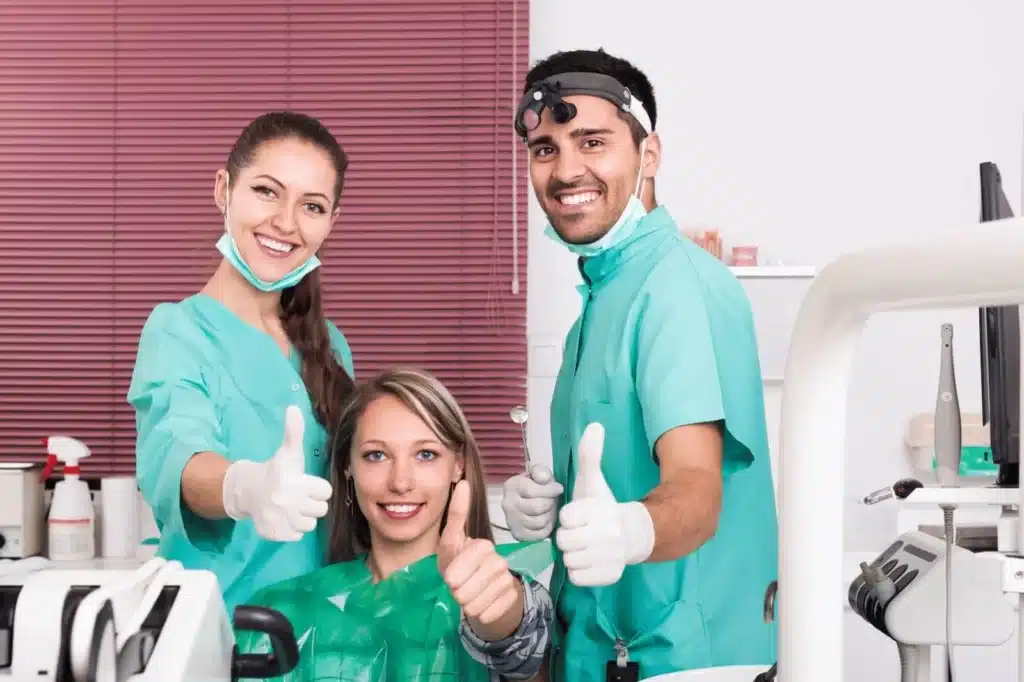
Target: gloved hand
(477, 576)
(530, 503)
(598, 536)
(280, 498)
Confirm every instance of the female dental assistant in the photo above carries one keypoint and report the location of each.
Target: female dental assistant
(235, 386)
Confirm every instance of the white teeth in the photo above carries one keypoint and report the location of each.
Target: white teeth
(401, 508)
(577, 199)
(274, 244)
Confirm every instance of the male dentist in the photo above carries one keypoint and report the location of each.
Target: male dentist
(662, 493)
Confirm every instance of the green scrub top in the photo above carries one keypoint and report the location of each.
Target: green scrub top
(666, 339)
(205, 381)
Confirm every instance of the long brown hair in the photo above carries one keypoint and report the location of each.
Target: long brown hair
(302, 312)
(433, 403)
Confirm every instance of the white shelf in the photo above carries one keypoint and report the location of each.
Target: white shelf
(774, 272)
(974, 496)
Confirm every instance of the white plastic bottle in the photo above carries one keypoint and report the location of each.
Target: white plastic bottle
(72, 519)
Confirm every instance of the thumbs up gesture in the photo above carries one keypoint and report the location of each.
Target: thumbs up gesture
(598, 536)
(281, 499)
(489, 595)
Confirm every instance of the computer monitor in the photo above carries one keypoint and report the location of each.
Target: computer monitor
(1000, 353)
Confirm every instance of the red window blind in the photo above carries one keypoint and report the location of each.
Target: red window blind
(114, 117)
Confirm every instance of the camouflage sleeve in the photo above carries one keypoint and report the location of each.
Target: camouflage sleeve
(520, 655)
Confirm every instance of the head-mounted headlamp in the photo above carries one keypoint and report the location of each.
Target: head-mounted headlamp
(550, 93)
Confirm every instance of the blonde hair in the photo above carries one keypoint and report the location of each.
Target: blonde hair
(421, 392)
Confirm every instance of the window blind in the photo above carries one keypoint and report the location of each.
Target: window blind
(114, 117)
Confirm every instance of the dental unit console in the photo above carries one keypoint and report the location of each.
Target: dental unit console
(159, 622)
(922, 591)
(902, 594)
(916, 589)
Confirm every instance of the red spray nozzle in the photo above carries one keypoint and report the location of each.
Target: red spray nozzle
(67, 450)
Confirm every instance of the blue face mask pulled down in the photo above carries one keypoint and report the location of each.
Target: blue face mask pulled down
(228, 248)
(619, 232)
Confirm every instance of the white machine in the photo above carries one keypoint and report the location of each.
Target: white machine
(982, 265)
(920, 587)
(22, 519)
(902, 593)
(158, 622)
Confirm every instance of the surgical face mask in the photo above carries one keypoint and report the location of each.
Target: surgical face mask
(623, 227)
(228, 248)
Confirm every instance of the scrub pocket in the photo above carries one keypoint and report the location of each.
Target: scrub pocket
(676, 641)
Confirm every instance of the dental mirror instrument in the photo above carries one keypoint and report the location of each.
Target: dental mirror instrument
(519, 415)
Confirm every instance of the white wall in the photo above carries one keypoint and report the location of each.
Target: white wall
(813, 127)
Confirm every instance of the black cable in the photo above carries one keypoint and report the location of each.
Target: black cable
(769, 674)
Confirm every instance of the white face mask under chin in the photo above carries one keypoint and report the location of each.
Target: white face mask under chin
(623, 227)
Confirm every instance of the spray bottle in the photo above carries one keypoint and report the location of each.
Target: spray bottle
(72, 520)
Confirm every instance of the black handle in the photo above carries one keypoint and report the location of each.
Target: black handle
(284, 654)
(903, 487)
(768, 675)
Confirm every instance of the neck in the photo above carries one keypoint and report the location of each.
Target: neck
(250, 304)
(387, 557)
(647, 196)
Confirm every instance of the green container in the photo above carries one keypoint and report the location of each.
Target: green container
(975, 460)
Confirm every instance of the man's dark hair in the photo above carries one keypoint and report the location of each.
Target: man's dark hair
(599, 61)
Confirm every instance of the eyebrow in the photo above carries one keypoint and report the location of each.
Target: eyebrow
(379, 443)
(271, 178)
(281, 185)
(575, 134)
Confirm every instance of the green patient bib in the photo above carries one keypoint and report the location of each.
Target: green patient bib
(403, 629)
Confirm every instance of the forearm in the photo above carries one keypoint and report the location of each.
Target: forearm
(522, 655)
(202, 485)
(504, 626)
(684, 513)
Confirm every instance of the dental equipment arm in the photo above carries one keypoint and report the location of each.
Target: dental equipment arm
(979, 265)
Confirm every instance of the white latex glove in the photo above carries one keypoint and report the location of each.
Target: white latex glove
(530, 503)
(598, 536)
(280, 498)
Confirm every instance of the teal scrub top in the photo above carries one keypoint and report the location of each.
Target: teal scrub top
(205, 381)
(666, 339)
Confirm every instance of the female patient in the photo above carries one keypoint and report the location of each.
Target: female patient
(408, 484)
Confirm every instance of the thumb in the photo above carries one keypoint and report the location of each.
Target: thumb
(458, 514)
(541, 474)
(291, 449)
(589, 477)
